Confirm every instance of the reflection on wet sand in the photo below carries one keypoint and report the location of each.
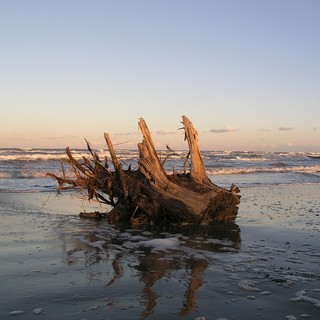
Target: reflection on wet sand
(152, 255)
(118, 270)
(197, 268)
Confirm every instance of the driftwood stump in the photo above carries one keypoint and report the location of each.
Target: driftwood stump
(149, 194)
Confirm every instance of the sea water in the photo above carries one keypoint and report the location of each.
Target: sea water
(264, 265)
(26, 169)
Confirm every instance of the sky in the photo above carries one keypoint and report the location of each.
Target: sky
(246, 73)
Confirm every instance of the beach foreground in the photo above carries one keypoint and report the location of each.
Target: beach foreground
(55, 265)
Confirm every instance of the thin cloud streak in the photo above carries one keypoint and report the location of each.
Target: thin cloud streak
(126, 133)
(286, 128)
(61, 137)
(224, 130)
(165, 132)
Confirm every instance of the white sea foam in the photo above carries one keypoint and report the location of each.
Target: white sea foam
(38, 311)
(246, 159)
(239, 170)
(4, 175)
(161, 244)
(248, 285)
(16, 312)
(98, 244)
(302, 296)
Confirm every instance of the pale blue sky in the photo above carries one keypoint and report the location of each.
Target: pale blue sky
(246, 73)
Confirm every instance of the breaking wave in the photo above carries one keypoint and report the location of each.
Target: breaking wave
(284, 169)
(241, 167)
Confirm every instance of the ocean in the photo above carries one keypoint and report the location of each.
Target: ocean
(264, 265)
(24, 170)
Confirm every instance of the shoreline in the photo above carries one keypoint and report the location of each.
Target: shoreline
(60, 265)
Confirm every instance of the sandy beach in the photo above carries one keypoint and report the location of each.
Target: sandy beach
(55, 265)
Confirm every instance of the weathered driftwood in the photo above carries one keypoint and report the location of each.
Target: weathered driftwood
(150, 194)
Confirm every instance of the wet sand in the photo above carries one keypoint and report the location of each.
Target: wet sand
(55, 265)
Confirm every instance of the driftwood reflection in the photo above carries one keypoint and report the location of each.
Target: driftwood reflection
(197, 268)
(194, 254)
(117, 268)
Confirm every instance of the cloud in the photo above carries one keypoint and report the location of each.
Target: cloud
(126, 133)
(286, 128)
(224, 130)
(165, 132)
(265, 130)
(61, 137)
